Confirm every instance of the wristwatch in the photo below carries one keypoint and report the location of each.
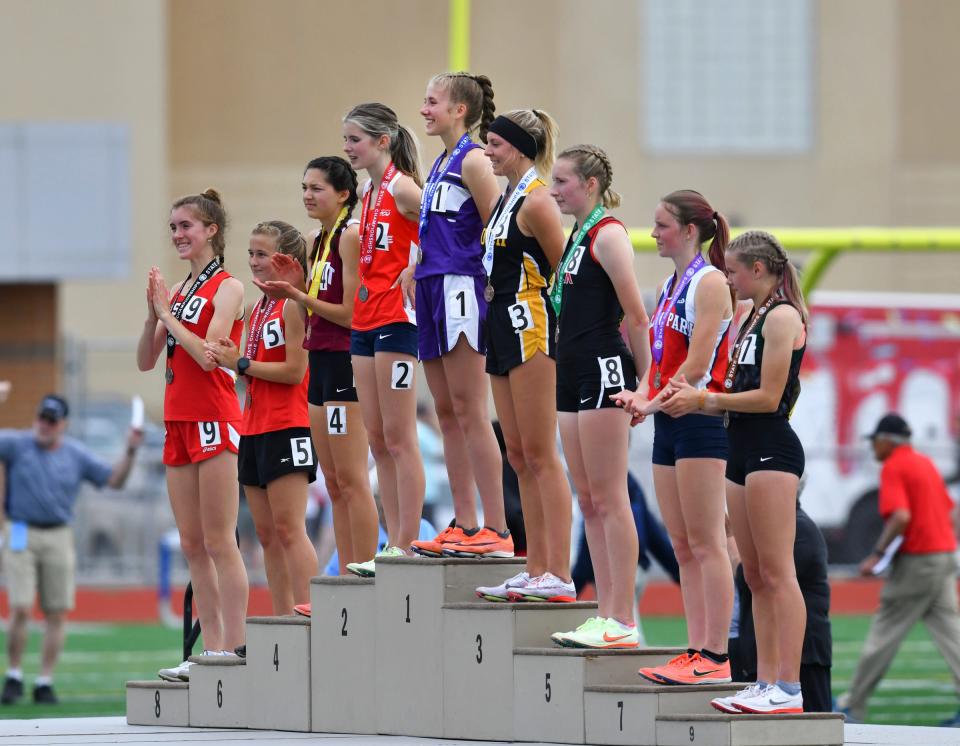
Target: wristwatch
(242, 365)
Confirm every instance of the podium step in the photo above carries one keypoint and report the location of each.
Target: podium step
(627, 714)
(343, 654)
(478, 643)
(278, 673)
(548, 686)
(218, 692)
(808, 729)
(409, 594)
(158, 702)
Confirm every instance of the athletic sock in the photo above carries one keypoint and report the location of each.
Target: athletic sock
(625, 625)
(502, 535)
(15, 673)
(792, 687)
(691, 652)
(762, 684)
(43, 681)
(715, 657)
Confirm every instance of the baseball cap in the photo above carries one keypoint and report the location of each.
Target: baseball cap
(53, 407)
(891, 424)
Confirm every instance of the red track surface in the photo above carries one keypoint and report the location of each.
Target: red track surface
(660, 599)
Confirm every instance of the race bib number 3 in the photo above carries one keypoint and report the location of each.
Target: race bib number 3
(520, 316)
(611, 372)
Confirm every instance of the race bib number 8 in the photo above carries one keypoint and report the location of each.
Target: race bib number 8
(520, 316)
(402, 375)
(209, 434)
(192, 311)
(611, 372)
(301, 451)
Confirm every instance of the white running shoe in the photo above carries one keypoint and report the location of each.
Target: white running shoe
(368, 569)
(501, 592)
(726, 704)
(546, 587)
(771, 701)
(177, 673)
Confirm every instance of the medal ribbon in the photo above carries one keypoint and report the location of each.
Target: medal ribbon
(435, 177)
(368, 229)
(745, 332)
(316, 272)
(177, 307)
(556, 288)
(257, 323)
(669, 301)
(501, 214)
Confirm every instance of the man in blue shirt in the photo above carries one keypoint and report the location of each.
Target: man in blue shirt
(44, 471)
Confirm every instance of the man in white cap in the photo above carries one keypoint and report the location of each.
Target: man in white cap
(44, 472)
(922, 584)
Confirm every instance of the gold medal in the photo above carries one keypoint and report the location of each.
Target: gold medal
(363, 294)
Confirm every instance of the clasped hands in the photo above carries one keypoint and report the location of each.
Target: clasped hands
(676, 399)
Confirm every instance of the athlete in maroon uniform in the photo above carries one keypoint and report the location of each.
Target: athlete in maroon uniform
(201, 414)
(277, 459)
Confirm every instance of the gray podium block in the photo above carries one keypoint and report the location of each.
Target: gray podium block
(478, 643)
(807, 729)
(218, 692)
(409, 593)
(549, 684)
(278, 672)
(343, 654)
(158, 702)
(627, 714)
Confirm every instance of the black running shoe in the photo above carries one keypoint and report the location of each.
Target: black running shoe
(12, 691)
(241, 650)
(43, 694)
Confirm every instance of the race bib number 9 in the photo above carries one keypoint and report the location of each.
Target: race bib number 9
(209, 434)
(191, 313)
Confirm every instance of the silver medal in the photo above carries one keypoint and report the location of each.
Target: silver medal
(169, 375)
(488, 293)
(363, 294)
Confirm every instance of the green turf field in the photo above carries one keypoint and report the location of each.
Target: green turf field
(99, 658)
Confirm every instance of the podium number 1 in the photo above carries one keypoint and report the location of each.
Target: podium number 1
(407, 620)
(276, 656)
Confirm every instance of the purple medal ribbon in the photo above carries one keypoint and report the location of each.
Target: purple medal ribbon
(669, 301)
(435, 177)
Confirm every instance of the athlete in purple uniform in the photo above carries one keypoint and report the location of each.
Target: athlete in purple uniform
(448, 290)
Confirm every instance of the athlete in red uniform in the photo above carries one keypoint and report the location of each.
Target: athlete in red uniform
(330, 195)
(201, 415)
(383, 343)
(277, 459)
(689, 337)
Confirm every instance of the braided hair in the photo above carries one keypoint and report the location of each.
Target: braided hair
(476, 92)
(591, 161)
(341, 176)
(763, 247)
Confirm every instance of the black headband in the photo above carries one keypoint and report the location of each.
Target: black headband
(514, 134)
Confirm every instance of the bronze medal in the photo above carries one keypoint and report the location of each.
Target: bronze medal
(726, 419)
(488, 293)
(363, 294)
(169, 375)
(657, 380)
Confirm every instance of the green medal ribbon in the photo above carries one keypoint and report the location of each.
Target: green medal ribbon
(556, 289)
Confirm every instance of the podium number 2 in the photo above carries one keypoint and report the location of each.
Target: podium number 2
(276, 656)
(548, 691)
(343, 615)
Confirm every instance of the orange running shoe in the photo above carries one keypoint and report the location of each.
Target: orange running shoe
(434, 547)
(655, 673)
(302, 609)
(484, 543)
(698, 670)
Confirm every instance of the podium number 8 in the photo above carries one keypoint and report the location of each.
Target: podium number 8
(156, 703)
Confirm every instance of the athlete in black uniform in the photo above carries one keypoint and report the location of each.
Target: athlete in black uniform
(595, 287)
(766, 461)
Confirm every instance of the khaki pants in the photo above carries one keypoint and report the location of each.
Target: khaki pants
(921, 587)
(47, 564)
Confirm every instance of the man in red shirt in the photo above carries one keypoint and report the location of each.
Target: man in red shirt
(922, 584)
